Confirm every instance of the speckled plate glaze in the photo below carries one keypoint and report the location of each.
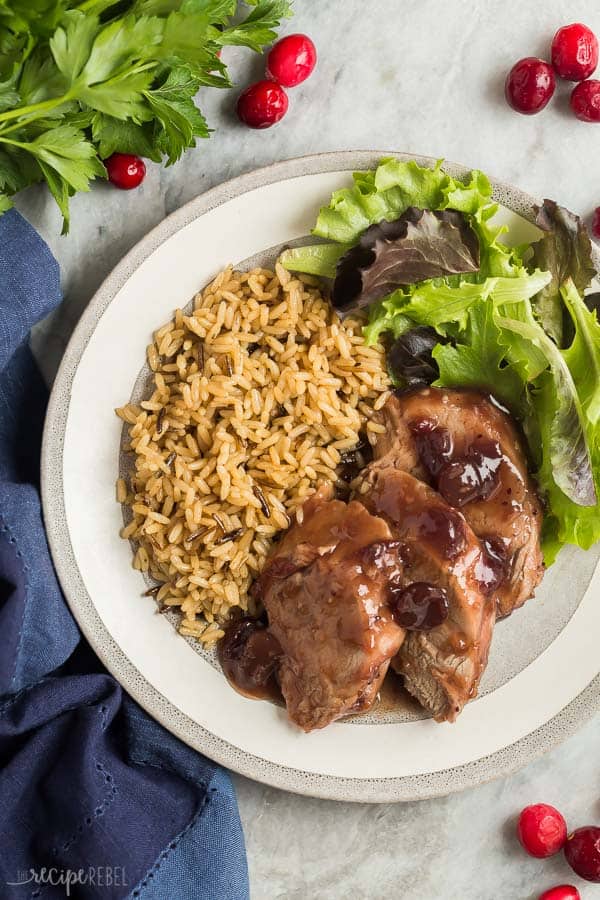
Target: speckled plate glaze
(543, 680)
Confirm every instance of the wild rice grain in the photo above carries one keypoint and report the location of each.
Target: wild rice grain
(255, 396)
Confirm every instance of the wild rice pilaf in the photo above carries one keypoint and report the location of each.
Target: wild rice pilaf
(257, 395)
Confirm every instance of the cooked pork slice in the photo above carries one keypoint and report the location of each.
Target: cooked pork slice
(441, 666)
(325, 589)
(466, 447)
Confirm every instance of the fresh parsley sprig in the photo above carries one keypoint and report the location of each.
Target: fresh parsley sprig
(82, 80)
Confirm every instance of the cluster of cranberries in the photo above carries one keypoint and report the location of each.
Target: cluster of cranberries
(531, 82)
(542, 831)
(289, 62)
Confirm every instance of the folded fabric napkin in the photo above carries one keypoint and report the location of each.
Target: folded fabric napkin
(96, 799)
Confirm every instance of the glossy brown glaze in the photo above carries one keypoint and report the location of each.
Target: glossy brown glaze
(440, 527)
(442, 666)
(435, 447)
(330, 615)
(419, 606)
(419, 515)
(249, 655)
(430, 429)
(444, 530)
(494, 570)
(472, 477)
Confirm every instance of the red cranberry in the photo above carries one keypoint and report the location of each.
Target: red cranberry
(582, 852)
(125, 171)
(561, 892)
(530, 85)
(596, 223)
(420, 606)
(262, 104)
(575, 52)
(541, 830)
(291, 60)
(585, 100)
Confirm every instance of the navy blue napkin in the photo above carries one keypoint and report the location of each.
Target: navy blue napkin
(96, 799)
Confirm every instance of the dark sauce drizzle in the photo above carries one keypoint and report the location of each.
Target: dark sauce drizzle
(419, 606)
(475, 475)
(493, 569)
(249, 655)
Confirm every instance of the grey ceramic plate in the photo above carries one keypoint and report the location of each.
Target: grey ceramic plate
(542, 681)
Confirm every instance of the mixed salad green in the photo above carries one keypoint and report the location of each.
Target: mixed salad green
(509, 319)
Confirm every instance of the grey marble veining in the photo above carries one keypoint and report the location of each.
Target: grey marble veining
(456, 848)
(423, 76)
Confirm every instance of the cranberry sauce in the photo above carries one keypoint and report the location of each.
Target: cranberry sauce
(493, 567)
(419, 606)
(417, 516)
(443, 529)
(384, 556)
(434, 445)
(474, 476)
(249, 656)
(460, 479)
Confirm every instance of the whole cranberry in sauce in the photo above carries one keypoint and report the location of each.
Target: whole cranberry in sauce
(249, 655)
(530, 85)
(474, 476)
(596, 223)
(420, 606)
(434, 445)
(575, 52)
(585, 100)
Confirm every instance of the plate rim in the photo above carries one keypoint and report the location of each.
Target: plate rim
(405, 788)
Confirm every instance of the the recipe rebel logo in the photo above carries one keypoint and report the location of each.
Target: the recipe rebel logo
(96, 876)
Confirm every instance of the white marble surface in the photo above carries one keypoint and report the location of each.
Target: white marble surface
(423, 76)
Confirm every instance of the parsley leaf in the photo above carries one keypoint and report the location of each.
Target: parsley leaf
(60, 190)
(114, 135)
(37, 18)
(41, 79)
(8, 95)
(82, 79)
(174, 109)
(72, 43)
(67, 150)
(121, 96)
(259, 26)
